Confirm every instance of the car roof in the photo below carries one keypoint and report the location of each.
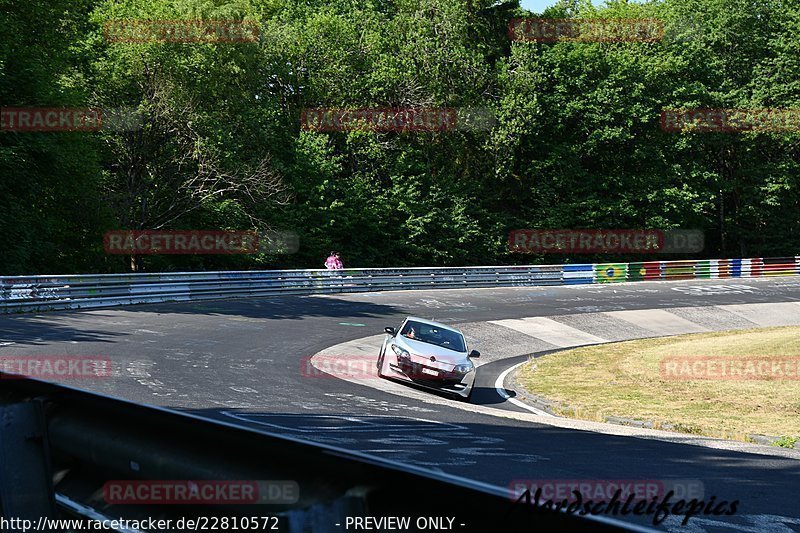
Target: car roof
(432, 323)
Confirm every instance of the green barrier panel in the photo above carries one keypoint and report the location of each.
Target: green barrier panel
(610, 272)
(679, 270)
(704, 269)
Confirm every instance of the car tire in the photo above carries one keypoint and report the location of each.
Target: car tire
(460, 398)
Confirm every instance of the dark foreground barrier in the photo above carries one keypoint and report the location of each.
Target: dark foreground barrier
(70, 454)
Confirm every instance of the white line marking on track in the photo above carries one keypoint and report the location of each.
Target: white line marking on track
(498, 385)
(550, 331)
(767, 315)
(659, 321)
(346, 423)
(244, 389)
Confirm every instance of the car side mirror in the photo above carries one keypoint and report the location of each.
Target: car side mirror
(474, 353)
(389, 330)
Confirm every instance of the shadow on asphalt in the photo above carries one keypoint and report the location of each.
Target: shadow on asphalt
(112, 323)
(506, 452)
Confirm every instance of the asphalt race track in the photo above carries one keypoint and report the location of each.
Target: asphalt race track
(244, 360)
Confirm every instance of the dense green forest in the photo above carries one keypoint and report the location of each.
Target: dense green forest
(575, 143)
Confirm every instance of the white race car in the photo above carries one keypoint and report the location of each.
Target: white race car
(430, 355)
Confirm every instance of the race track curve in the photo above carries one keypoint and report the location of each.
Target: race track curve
(246, 361)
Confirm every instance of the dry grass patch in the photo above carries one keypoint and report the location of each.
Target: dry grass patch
(625, 380)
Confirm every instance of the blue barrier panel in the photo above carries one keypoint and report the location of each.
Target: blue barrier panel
(736, 268)
(578, 274)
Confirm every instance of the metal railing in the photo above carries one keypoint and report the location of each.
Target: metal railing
(49, 293)
(70, 443)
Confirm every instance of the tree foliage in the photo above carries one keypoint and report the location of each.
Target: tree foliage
(576, 141)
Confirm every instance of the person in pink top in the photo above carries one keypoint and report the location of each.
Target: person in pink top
(333, 262)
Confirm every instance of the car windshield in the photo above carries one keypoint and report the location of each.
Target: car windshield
(435, 335)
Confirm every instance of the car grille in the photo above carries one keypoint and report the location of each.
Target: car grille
(414, 371)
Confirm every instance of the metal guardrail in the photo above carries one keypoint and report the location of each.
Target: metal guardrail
(90, 440)
(49, 293)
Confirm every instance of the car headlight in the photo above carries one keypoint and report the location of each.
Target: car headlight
(400, 352)
(466, 368)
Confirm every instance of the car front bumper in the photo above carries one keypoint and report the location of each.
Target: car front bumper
(449, 382)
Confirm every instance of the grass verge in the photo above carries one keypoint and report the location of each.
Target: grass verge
(628, 380)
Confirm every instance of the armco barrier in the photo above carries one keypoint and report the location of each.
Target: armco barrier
(72, 444)
(47, 293)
